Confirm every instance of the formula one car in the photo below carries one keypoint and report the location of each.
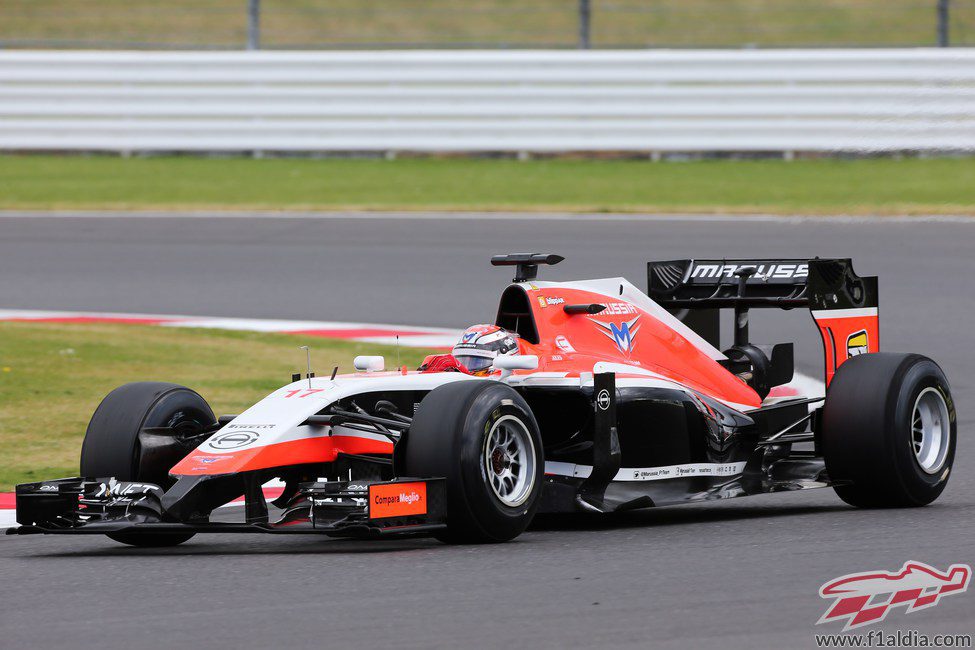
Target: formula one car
(587, 396)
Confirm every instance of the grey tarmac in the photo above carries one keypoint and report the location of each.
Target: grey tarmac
(737, 574)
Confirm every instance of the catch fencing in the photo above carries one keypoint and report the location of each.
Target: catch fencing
(656, 101)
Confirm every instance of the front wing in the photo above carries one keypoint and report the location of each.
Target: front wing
(336, 509)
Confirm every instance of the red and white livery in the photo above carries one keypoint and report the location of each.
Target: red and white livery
(585, 396)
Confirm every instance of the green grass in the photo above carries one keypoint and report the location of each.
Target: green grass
(821, 186)
(485, 23)
(53, 376)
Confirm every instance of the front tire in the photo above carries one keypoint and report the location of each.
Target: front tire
(482, 437)
(112, 449)
(889, 430)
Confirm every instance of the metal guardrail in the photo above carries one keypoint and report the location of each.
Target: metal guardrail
(858, 101)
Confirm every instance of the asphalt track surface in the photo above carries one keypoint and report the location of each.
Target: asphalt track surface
(737, 574)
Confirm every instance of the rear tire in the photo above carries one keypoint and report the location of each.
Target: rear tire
(111, 447)
(482, 437)
(889, 430)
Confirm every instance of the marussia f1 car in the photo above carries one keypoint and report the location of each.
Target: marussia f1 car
(610, 399)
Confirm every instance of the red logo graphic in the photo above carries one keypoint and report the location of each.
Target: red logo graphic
(865, 598)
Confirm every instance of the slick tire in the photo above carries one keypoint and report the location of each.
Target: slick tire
(482, 437)
(889, 430)
(111, 447)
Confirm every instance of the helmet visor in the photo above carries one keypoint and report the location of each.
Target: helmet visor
(475, 364)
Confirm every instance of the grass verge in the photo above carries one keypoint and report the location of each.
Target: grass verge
(822, 186)
(485, 23)
(52, 378)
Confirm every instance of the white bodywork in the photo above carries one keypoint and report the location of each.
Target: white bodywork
(278, 417)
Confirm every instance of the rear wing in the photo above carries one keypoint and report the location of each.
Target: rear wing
(843, 304)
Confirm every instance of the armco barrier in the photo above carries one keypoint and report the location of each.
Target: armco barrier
(531, 101)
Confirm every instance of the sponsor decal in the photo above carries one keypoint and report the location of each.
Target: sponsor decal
(683, 471)
(618, 309)
(650, 473)
(251, 426)
(866, 598)
(397, 500)
(116, 488)
(233, 440)
(563, 344)
(48, 488)
(622, 335)
(764, 272)
(207, 460)
(603, 400)
(857, 343)
(546, 301)
(556, 357)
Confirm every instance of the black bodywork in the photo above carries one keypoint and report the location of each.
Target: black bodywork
(634, 428)
(643, 429)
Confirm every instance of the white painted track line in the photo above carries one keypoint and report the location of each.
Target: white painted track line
(379, 333)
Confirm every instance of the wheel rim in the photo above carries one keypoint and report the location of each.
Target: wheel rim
(509, 461)
(930, 430)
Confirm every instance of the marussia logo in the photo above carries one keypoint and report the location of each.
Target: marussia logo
(866, 598)
(762, 271)
(622, 335)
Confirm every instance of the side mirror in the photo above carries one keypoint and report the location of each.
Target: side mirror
(369, 364)
(508, 363)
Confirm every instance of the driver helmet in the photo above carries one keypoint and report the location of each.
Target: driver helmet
(479, 345)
